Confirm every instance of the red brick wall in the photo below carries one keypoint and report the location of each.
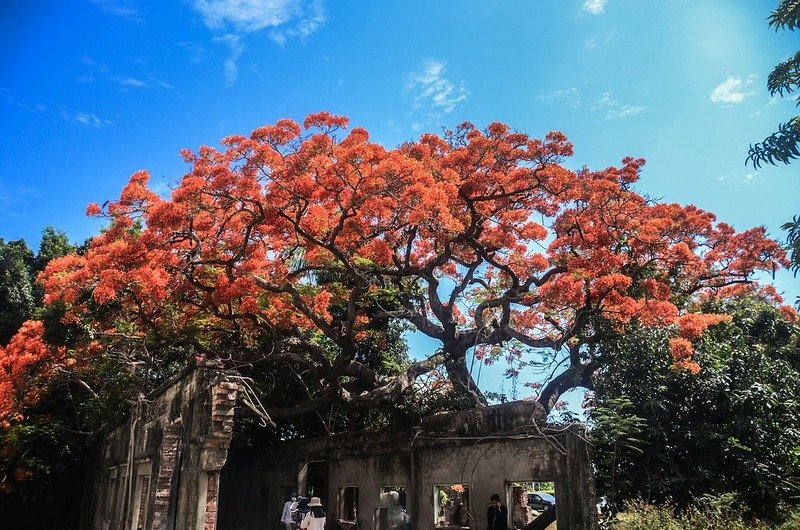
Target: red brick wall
(169, 456)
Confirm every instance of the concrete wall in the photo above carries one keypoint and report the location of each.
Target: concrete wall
(175, 442)
(186, 478)
(486, 450)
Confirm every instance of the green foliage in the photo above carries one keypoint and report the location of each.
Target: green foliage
(54, 244)
(19, 293)
(783, 145)
(17, 300)
(793, 241)
(617, 434)
(708, 513)
(786, 16)
(732, 428)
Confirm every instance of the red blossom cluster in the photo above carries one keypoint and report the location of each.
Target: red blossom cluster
(483, 238)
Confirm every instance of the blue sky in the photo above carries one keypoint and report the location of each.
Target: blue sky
(93, 90)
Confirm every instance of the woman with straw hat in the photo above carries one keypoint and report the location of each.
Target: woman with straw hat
(315, 519)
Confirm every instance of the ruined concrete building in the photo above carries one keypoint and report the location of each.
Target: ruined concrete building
(171, 467)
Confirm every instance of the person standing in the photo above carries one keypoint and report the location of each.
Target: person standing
(302, 509)
(315, 519)
(289, 509)
(497, 514)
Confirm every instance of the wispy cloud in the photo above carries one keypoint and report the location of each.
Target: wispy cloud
(12, 197)
(78, 117)
(606, 106)
(569, 96)
(733, 90)
(195, 50)
(595, 7)
(86, 119)
(8, 97)
(119, 8)
(612, 109)
(131, 82)
(281, 19)
(595, 42)
(235, 44)
(122, 82)
(737, 179)
(431, 91)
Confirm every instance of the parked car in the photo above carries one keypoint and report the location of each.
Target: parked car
(540, 501)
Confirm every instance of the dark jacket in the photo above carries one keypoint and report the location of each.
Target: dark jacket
(497, 518)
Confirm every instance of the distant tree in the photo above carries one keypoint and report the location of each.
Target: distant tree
(784, 144)
(54, 244)
(20, 296)
(734, 427)
(793, 242)
(17, 300)
(47, 439)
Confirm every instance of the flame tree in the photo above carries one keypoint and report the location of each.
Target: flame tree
(296, 245)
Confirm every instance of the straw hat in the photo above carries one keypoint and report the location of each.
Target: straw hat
(315, 502)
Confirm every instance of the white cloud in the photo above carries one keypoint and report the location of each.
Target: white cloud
(595, 7)
(600, 40)
(287, 18)
(87, 119)
(431, 90)
(235, 44)
(612, 109)
(284, 19)
(733, 90)
(606, 105)
(131, 82)
(122, 82)
(118, 8)
(570, 96)
(195, 51)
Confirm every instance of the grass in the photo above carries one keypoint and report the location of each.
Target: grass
(707, 514)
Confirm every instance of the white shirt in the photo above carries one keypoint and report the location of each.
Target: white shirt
(313, 523)
(288, 510)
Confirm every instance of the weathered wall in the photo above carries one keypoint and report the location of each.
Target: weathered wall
(486, 450)
(175, 444)
(185, 477)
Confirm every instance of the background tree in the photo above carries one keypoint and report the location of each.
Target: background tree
(733, 428)
(45, 439)
(784, 144)
(17, 298)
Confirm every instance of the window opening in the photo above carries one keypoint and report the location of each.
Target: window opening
(451, 506)
(392, 514)
(530, 501)
(348, 504)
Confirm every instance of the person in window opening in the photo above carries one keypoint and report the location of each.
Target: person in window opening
(289, 512)
(394, 510)
(315, 518)
(497, 514)
(406, 518)
(460, 515)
